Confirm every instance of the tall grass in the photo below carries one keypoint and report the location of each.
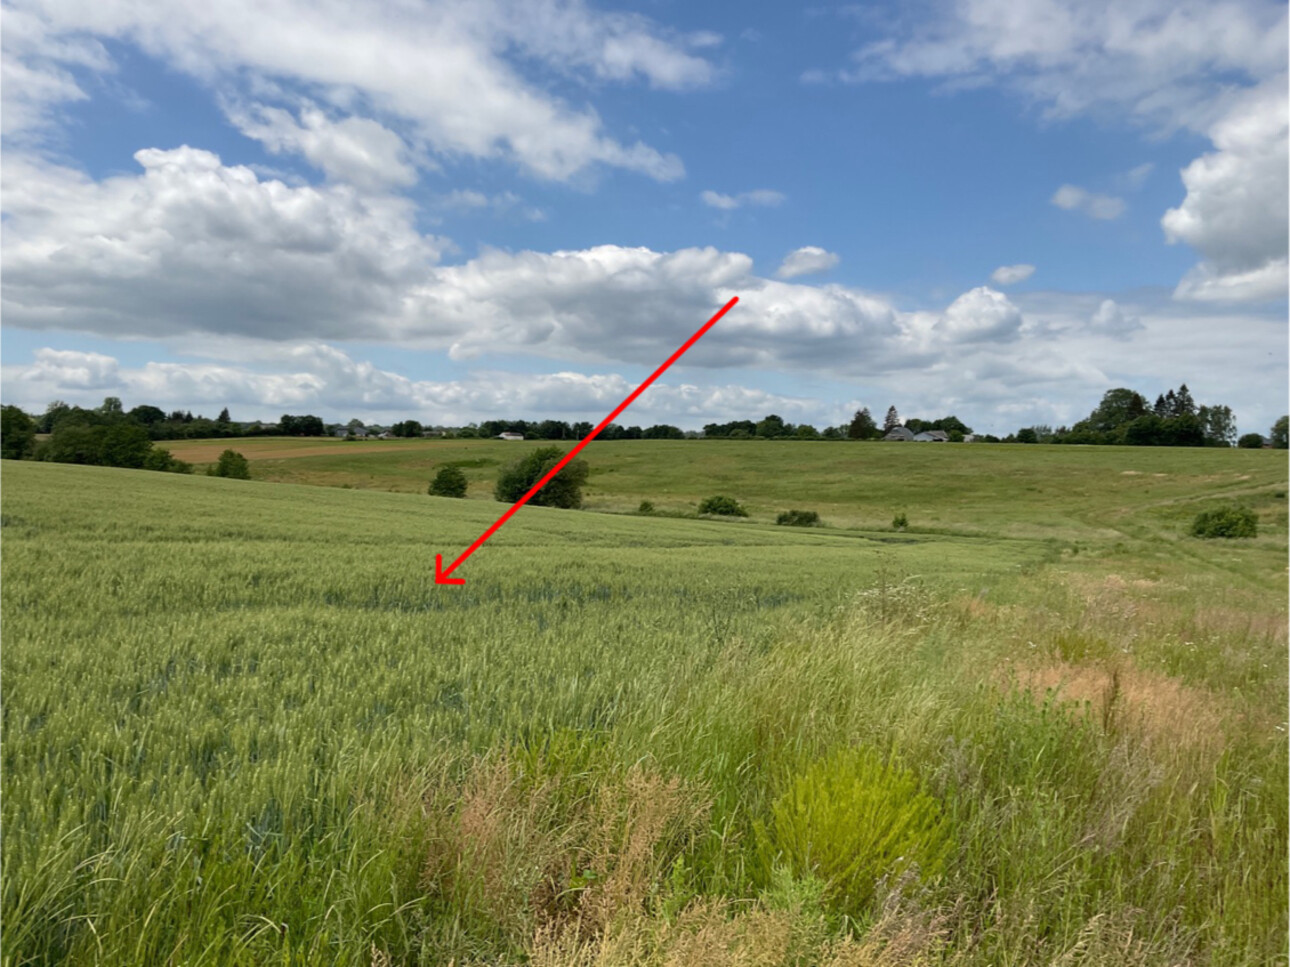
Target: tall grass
(242, 725)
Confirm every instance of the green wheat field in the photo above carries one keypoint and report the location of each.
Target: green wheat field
(1039, 725)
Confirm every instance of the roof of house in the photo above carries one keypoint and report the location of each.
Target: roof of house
(900, 433)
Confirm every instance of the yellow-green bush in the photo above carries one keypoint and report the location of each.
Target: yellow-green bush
(850, 819)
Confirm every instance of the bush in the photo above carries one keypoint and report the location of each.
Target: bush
(1251, 441)
(17, 434)
(646, 507)
(448, 482)
(726, 506)
(851, 819)
(899, 522)
(798, 518)
(161, 459)
(231, 464)
(1230, 521)
(563, 490)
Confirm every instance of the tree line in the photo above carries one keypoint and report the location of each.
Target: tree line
(1125, 417)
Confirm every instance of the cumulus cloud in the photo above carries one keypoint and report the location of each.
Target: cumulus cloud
(1235, 212)
(1113, 321)
(192, 245)
(356, 150)
(760, 196)
(444, 70)
(328, 381)
(807, 260)
(1011, 274)
(1214, 69)
(1075, 198)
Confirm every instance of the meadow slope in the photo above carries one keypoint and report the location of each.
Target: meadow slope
(242, 724)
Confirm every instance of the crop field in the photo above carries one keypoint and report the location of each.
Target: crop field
(1041, 725)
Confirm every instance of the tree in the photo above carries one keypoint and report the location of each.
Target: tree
(807, 432)
(448, 482)
(73, 443)
(1280, 433)
(53, 414)
(112, 408)
(1217, 425)
(147, 415)
(1251, 441)
(17, 434)
(771, 426)
(125, 445)
(302, 425)
(664, 431)
(408, 428)
(862, 426)
(1118, 408)
(563, 490)
(223, 416)
(892, 421)
(1184, 405)
(1027, 435)
(232, 464)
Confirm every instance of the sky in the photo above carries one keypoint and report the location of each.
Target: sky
(456, 211)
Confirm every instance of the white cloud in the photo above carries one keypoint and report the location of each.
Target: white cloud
(981, 314)
(1135, 178)
(328, 381)
(1075, 198)
(192, 245)
(1113, 320)
(356, 150)
(1213, 68)
(440, 69)
(467, 200)
(1235, 212)
(1011, 274)
(808, 260)
(1167, 63)
(761, 196)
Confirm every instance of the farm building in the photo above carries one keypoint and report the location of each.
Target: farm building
(932, 436)
(900, 434)
(510, 436)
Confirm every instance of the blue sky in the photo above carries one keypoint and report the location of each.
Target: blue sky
(452, 211)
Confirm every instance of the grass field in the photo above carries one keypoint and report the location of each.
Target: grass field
(242, 725)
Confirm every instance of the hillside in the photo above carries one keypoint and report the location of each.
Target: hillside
(242, 723)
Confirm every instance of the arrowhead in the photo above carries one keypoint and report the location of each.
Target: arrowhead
(441, 576)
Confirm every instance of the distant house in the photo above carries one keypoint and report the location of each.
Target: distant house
(341, 431)
(900, 433)
(510, 436)
(385, 435)
(970, 438)
(932, 436)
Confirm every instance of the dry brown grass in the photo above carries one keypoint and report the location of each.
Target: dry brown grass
(714, 933)
(1161, 708)
(520, 852)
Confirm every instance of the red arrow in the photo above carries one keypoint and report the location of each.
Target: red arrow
(441, 573)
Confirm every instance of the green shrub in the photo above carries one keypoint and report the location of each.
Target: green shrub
(851, 819)
(1251, 441)
(899, 522)
(726, 506)
(798, 518)
(159, 458)
(1229, 521)
(646, 507)
(448, 482)
(231, 464)
(563, 490)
